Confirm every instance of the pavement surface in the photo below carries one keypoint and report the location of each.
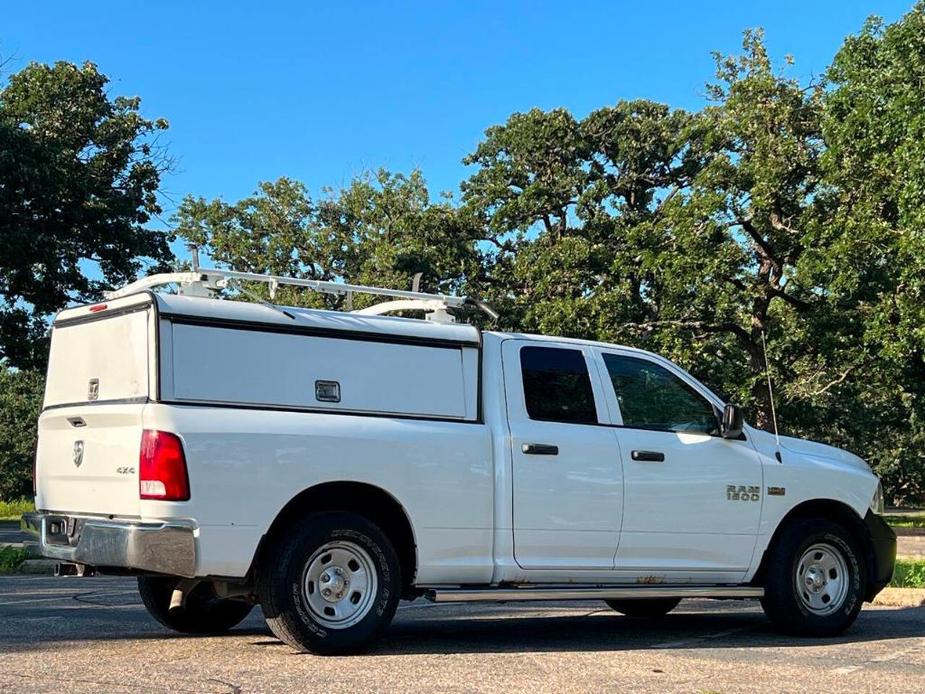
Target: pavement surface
(93, 635)
(10, 533)
(911, 546)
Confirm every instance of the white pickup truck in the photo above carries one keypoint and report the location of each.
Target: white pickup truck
(326, 465)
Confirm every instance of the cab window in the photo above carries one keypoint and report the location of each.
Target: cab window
(557, 387)
(651, 397)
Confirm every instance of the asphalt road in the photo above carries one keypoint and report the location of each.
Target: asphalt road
(10, 533)
(93, 635)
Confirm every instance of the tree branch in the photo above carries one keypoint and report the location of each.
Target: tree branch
(706, 327)
(838, 380)
(792, 300)
(765, 248)
(547, 223)
(776, 222)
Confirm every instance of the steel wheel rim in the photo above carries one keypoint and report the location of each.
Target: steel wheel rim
(822, 579)
(339, 584)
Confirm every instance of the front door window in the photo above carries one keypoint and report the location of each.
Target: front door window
(651, 397)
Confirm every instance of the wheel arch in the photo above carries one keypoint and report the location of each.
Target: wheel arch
(368, 500)
(832, 510)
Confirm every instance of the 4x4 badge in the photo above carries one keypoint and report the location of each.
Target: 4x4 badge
(78, 453)
(93, 389)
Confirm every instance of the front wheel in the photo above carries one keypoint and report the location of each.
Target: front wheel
(332, 585)
(644, 608)
(814, 584)
(203, 612)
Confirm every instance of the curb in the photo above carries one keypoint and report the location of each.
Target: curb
(901, 597)
(37, 567)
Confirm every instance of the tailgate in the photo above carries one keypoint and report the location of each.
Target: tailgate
(87, 459)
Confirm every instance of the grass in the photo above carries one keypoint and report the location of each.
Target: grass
(911, 521)
(13, 510)
(11, 558)
(909, 573)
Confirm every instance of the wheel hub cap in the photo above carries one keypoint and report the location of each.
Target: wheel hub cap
(822, 579)
(815, 578)
(334, 584)
(339, 584)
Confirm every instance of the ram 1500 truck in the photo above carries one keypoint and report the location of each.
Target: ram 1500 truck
(327, 464)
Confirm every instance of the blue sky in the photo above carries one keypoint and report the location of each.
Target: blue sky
(322, 91)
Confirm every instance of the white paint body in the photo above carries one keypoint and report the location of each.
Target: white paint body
(236, 382)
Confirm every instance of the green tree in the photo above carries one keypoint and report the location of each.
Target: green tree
(79, 172)
(874, 197)
(572, 203)
(381, 229)
(783, 210)
(20, 402)
(680, 232)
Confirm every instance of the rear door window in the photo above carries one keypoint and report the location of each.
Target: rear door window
(557, 387)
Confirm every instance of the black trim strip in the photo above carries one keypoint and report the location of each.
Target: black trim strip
(479, 412)
(96, 403)
(101, 315)
(157, 348)
(743, 437)
(334, 333)
(314, 410)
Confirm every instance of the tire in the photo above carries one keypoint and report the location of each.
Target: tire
(331, 586)
(203, 613)
(644, 608)
(815, 579)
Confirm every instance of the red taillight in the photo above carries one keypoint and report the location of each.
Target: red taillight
(162, 467)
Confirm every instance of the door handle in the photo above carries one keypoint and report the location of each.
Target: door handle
(540, 449)
(648, 456)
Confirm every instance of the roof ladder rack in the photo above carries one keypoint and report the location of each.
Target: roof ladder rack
(204, 282)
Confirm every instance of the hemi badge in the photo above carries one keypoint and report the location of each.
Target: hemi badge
(776, 491)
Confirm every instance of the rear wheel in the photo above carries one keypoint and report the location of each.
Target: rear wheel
(203, 612)
(644, 608)
(814, 584)
(332, 585)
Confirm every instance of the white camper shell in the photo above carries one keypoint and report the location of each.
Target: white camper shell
(325, 464)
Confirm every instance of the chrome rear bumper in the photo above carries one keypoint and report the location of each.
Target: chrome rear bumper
(161, 547)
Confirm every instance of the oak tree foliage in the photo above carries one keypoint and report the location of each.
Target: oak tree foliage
(79, 173)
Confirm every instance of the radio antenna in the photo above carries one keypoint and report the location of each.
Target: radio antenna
(767, 371)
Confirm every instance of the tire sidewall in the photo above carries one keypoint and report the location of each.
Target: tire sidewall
(781, 602)
(294, 559)
(200, 615)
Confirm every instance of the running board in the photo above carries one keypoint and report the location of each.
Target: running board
(595, 593)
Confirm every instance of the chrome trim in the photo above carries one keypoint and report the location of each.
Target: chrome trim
(167, 547)
(593, 593)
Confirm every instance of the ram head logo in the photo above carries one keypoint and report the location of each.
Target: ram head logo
(78, 453)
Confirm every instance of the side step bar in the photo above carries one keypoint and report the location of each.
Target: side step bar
(595, 593)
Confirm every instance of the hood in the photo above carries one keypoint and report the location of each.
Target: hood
(810, 451)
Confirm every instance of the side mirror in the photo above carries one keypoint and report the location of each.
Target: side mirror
(733, 422)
